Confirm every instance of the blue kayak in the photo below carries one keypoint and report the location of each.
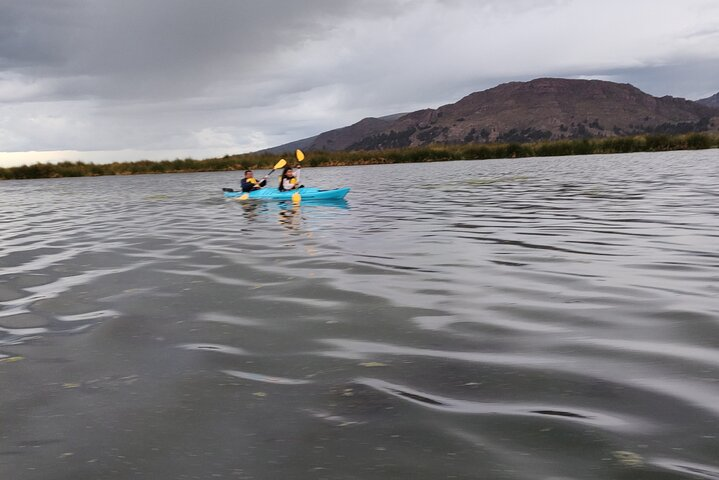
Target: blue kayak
(306, 193)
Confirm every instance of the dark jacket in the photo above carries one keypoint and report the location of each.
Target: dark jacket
(252, 184)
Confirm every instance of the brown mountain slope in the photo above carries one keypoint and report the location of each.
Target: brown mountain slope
(712, 101)
(542, 109)
(343, 138)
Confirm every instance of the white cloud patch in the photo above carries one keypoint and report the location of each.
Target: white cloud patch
(213, 138)
(16, 88)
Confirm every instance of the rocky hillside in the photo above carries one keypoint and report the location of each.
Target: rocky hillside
(712, 101)
(542, 109)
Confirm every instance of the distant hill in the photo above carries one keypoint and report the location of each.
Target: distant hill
(541, 109)
(309, 143)
(712, 101)
(303, 144)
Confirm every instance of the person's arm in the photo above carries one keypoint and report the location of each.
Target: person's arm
(263, 182)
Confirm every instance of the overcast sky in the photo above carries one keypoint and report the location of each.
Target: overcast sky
(106, 80)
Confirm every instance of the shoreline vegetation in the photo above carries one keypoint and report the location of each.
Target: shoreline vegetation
(432, 153)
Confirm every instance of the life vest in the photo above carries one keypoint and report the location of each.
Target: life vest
(293, 182)
(249, 184)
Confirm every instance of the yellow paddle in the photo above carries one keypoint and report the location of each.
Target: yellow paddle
(277, 166)
(296, 197)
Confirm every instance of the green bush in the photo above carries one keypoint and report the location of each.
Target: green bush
(698, 141)
(431, 153)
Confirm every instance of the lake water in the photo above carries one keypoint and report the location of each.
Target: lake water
(552, 318)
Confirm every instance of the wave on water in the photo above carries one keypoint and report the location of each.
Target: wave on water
(514, 319)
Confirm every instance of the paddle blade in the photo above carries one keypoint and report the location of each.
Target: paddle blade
(244, 196)
(300, 156)
(296, 198)
(280, 164)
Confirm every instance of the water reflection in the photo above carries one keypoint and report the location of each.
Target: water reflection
(290, 215)
(250, 210)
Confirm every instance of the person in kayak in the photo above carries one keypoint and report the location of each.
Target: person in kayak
(250, 183)
(289, 179)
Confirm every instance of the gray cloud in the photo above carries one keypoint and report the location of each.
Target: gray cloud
(227, 75)
(153, 49)
(693, 78)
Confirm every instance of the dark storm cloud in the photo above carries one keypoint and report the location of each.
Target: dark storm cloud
(156, 48)
(31, 33)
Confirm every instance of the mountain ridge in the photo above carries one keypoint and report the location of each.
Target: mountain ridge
(712, 101)
(540, 109)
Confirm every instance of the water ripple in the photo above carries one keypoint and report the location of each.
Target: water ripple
(453, 405)
(514, 319)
